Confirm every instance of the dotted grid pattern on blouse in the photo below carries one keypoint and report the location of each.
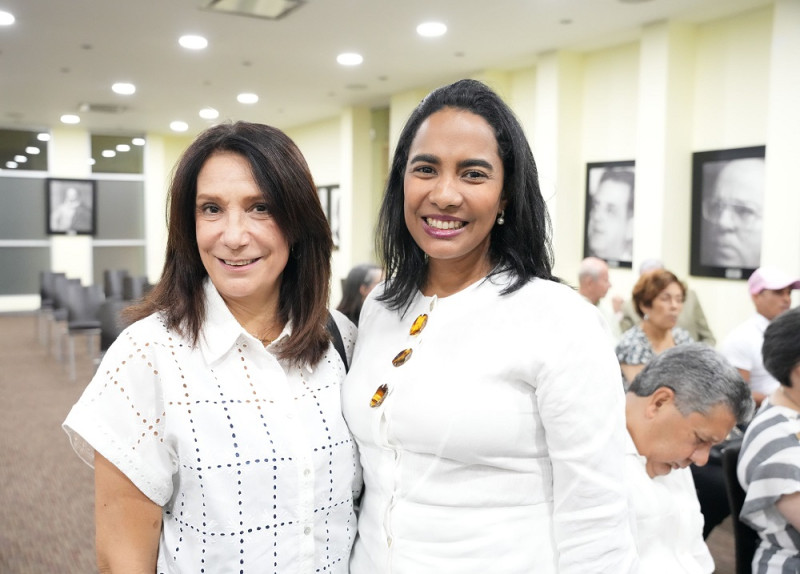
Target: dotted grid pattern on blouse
(251, 453)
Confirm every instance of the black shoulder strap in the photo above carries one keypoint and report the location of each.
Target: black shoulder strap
(336, 339)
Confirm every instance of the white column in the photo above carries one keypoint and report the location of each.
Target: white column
(781, 242)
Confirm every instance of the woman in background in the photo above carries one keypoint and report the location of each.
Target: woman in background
(359, 282)
(658, 299)
(214, 422)
(489, 420)
(769, 462)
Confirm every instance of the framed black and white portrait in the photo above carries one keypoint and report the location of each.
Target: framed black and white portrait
(608, 231)
(330, 197)
(71, 206)
(727, 212)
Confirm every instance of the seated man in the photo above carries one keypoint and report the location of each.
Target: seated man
(685, 400)
(771, 292)
(593, 285)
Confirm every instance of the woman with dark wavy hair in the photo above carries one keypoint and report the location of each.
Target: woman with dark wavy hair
(484, 400)
(214, 421)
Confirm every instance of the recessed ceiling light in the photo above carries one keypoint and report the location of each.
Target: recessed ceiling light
(32, 150)
(178, 126)
(70, 119)
(138, 141)
(43, 137)
(20, 158)
(209, 114)
(431, 29)
(6, 19)
(349, 59)
(108, 153)
(247, 98)
(124, 88)
(11, 164)
(123, 147)
(193, 42)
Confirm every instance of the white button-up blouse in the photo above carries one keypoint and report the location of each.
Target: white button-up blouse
(249, 457)
(500, 444)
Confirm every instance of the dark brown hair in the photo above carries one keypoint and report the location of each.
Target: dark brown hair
(282, 175)
(649, 286)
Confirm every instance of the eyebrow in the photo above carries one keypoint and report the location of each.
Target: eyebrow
(429, 158)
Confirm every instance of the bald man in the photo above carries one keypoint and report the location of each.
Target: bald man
(593, 284)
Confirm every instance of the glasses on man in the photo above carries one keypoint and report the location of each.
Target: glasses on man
(739, 215)
(403, 356)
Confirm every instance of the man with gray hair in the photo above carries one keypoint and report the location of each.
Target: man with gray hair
(685, 400)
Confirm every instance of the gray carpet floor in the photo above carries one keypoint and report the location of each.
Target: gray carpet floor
(46, 492)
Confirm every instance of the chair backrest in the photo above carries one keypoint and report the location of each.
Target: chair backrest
(61, 288)
(47, 284)
(746, 540)
(111, 321)
(135, 287)
(83, 302)
(113, 281)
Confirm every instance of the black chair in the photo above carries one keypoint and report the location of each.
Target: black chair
(83, 306)
(58, 316)
(746, 540)
(113, 282)
(111, 322)
(135, 287)
(47, 280)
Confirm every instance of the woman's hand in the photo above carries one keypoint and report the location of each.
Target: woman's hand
(128, 524)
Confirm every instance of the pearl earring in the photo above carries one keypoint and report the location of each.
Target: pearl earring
(501, 217)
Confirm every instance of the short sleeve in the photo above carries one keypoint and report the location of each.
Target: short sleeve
(121, 415)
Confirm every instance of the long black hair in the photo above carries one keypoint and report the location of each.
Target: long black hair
(522, 245)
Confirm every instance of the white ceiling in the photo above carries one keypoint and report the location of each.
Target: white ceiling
(61, 53)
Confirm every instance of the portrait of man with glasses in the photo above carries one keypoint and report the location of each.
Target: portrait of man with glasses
(732, 209)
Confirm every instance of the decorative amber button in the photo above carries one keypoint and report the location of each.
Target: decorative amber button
(402, 357)
(379, 396)
(419, 324)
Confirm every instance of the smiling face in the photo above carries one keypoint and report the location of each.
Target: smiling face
(663, 312)
(673, 440)
(453, 188)
(241, 246)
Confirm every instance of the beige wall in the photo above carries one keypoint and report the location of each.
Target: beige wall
(680, 88)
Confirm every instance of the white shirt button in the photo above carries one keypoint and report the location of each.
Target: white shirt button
(306, 472)
(307, 530)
